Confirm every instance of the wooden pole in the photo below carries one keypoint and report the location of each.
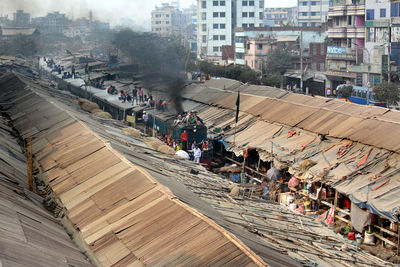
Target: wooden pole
(29, 161)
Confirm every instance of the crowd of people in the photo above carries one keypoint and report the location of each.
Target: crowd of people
(188, 118)
(195, 150)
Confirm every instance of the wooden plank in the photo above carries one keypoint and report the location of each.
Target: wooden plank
(113, 253)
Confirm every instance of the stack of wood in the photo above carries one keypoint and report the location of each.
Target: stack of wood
(131, 132)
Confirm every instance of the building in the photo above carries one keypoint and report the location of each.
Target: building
(166, 21)
(21, 19)
(7, 33)
(280, 16)
(218, 19)
(312, 12)
(346, 32)
(189, 24)
(55, 22)
(256, 51)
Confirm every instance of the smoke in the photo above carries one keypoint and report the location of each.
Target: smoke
(162, 60)
(104, 10)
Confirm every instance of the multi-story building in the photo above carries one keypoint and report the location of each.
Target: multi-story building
(189, 24)
(280, 16)
(346, 33)
(312, 12)
(217, 20)
(21, 18)
(55, 22)
(166, 21)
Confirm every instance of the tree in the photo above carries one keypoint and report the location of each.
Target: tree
(387, 92)
(278, 61)
(346, 91)
(20, 45)
(274, 80)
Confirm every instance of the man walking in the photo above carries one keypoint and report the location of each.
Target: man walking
(145, 118)
(196, 154)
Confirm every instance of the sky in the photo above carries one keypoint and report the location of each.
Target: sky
(105, 10)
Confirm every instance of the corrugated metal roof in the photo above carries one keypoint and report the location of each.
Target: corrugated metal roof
(15, 31)
(119, 211)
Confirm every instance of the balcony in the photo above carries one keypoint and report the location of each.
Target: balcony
(347, 32)
(346, 10)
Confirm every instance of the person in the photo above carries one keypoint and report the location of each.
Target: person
(141, 95)
(178, 147)
(178, 120)
(145, 118)
(134, 94)
(184, 140)
(129, 98)
(196, 154)
(73, 71)
(198, 118)
(194, 145)
(164, 106)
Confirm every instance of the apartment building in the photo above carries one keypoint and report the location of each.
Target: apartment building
(217, 20)
(347, 41)
(280, 16)
(312, 12)
(166, 20)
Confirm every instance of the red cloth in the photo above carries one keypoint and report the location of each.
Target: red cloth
(184, 136)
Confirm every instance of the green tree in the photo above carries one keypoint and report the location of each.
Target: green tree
(278, 61)
(346, 91)
(274, 80)
(387, 92)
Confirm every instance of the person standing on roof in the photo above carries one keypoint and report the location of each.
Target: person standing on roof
(134, 94)
(141, 95)
(73, 71)
(184, 140)
(145, 118)
(196, 154)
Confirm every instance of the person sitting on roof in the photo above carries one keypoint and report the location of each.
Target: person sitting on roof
(114, 91)
(178, 120)
(198, 118)
(192, 119)
(123, 96)
(109, 90)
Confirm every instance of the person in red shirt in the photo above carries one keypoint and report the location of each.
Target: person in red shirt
(184, 139)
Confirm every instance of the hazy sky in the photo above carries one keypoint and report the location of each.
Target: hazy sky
(106, 10)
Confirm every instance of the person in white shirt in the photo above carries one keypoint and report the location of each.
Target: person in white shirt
(196, 154)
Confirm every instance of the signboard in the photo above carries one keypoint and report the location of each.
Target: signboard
(130, 118)
(341, 74)
(336, 50)
(359, 79)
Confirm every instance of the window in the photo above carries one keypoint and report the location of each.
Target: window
(244, 3)
(215, 26)
(222, 37)
(167, 22)
(244, 14)
(251, 25)
(204, 4)
(370, 14)
(215, 14)
(313, 14)
(303, 3)
(215, 49)
(337, 20)
(251, 3)
(312, 24)
(321, 66)
(222, 3)
(313, 66)
(244, 25)
(248, 46)
(259, 46)
(276, 16)
(395, 9)
(313, 3)
(269, 16)
(215, 3)
(251, 14)
(349, 20)
(261, 15)
(304, 14)
(204, 16)
(222, 14)
(203, 27)
(261, 4)
(304, 24)
(204, 38)
(222, 26)
(215, 38)
(383, 12)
